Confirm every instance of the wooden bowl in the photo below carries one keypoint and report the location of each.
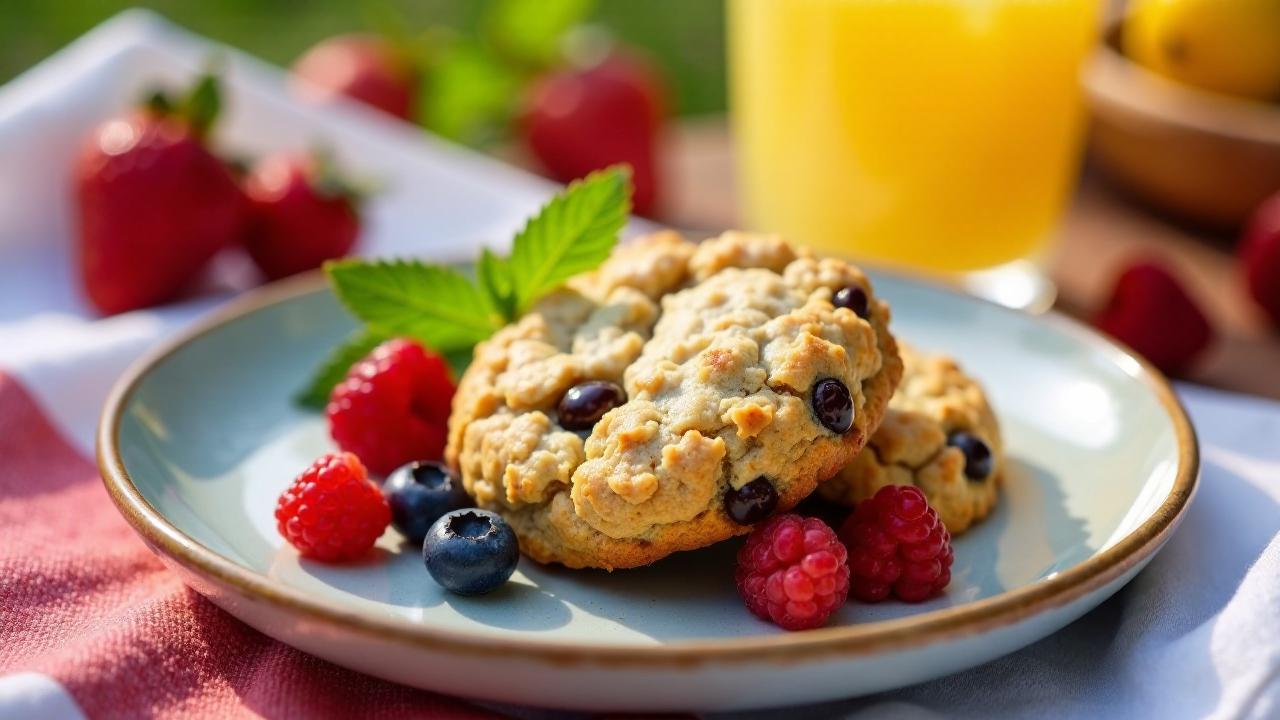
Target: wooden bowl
(1199, 156)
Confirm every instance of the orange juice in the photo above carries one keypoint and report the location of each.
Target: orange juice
(933, 134)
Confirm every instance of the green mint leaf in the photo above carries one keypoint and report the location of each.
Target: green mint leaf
(335, 366)
(459, 361)
(573, 233)
(434, 304)
(494, 276)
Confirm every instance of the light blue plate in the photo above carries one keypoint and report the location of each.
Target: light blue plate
(200, 439)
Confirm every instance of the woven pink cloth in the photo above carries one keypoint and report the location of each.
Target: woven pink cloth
(83, 601)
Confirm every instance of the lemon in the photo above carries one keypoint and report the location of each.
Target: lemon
(1225, 46)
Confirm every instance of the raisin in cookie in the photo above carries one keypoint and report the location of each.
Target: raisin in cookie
(939, 435)
(673, 397)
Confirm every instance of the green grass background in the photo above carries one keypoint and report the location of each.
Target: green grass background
(686, 37)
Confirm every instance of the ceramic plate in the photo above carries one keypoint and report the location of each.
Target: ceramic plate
(199, 439)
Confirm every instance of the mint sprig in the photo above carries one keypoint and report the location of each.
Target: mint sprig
(338, 363)
(434, 304)
(448, 312)
(573, 233)
(494, 275)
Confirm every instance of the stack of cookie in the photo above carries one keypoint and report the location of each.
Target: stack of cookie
(683, 392)
(939, 435)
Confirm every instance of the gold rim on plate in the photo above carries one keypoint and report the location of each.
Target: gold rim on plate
(890, 635)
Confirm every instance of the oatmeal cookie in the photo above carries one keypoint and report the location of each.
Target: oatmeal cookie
(939, 435)
(672, 398)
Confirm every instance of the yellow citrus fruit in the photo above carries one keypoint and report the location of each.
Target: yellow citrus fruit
(1226, 46)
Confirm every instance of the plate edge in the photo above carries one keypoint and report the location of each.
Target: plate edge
(893, 635)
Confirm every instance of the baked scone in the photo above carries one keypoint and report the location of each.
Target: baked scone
(939, 435)
(666, 401)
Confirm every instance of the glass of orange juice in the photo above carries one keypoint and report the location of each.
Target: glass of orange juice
(935, 135)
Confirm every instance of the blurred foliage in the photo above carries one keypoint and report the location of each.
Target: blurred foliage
(686, 37)
(530, 31)
(473, 78)
(469, 95)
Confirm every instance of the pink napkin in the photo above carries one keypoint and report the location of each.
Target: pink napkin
(87, 604)
(90, 621)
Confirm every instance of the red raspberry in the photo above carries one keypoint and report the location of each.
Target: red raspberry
(1151, 312)
(393, 407)
(332, 511)
(1260, 257)
(792, 572)
(897, 546)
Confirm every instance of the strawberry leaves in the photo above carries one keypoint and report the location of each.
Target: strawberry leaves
(198, 107)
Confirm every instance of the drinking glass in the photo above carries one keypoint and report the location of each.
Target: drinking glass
(932, 135)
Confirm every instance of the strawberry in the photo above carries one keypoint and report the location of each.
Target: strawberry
(154, 204)
(369, 68)
(1150, 312)
(301, 214)
(583, 119)
(1260, 257)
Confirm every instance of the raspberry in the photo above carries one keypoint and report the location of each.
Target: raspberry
(792, 572)
(897, 546)
(1260, 257)
(1152, 313)
(332, 511)
(393, 406)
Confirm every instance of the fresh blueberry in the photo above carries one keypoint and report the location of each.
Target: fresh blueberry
(833, 405)
(585, 403)
(471, 552)
(978, 460)
(419, 493)
(752, 502)
(853, 298)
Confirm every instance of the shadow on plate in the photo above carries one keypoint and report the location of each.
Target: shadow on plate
(514, 606)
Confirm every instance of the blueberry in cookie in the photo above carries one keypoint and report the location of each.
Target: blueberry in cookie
(940, 435)
(672, 398)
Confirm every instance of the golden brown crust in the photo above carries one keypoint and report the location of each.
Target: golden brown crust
(935, 399)
(717, 346)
